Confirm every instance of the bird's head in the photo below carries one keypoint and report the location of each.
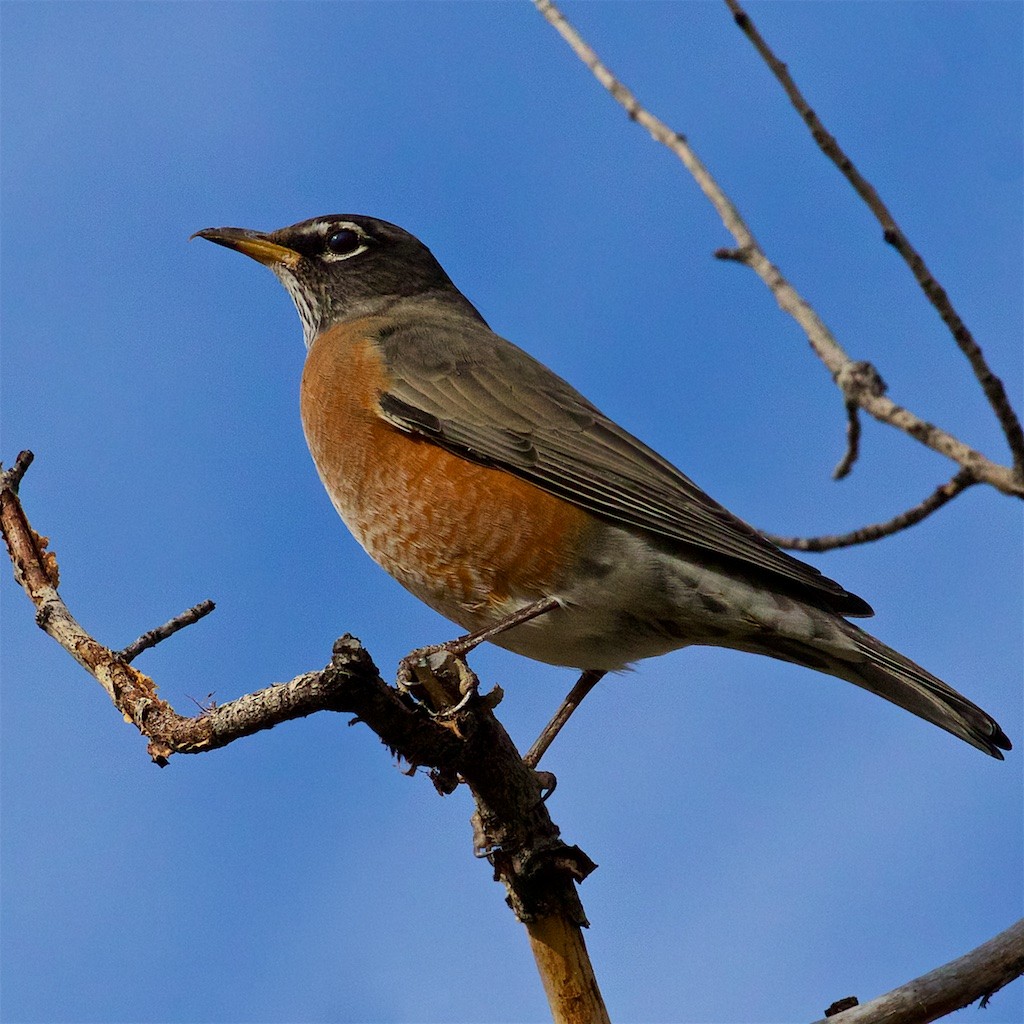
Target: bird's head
(344, 266)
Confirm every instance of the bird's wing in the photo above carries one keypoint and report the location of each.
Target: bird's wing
(456, 383)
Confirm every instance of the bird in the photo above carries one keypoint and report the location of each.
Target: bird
(502, 498)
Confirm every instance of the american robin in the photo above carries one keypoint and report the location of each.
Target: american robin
(487, 486)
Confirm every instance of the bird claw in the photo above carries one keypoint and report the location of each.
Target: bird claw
(440, 675)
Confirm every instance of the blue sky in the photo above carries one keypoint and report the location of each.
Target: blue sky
(769, 839)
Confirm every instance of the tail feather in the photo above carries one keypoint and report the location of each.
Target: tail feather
(887, 673)
(900, 680)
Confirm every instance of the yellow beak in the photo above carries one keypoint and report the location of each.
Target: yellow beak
(251, 243)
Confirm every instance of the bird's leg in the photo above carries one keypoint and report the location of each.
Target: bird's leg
(461, 646)
(584, 685)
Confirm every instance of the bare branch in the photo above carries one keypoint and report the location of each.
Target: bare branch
(977, 975)
(135, 694)
(749, 253)
(513, 830)
(154, 636)
(940, 496)
(893, 234)
(512, 827)
(350, 683)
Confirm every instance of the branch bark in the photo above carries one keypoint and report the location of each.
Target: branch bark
(749, 253)
(976, 975)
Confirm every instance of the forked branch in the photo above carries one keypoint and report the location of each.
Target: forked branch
(893, 234)
(750, 253)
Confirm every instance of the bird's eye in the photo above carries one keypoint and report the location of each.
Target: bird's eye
(344, 242)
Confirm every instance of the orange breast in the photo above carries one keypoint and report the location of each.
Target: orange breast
(471, 541)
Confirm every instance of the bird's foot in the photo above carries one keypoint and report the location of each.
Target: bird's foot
(439, 679)
(422, 670)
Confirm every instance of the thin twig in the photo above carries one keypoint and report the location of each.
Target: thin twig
(154, 636)
(940, 496)
(749, 253)
(845, 464)
(855, 379)
(893, 234)
(976, 975)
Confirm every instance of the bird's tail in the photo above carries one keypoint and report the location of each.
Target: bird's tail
(869, 663)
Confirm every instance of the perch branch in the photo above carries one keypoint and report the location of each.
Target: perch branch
(749, 252)
(135, 694)
(940, 496)
(514, 832)
(512, 826)
(893, 234)
(976, 975)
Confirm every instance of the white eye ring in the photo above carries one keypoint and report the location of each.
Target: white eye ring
(345, 241)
